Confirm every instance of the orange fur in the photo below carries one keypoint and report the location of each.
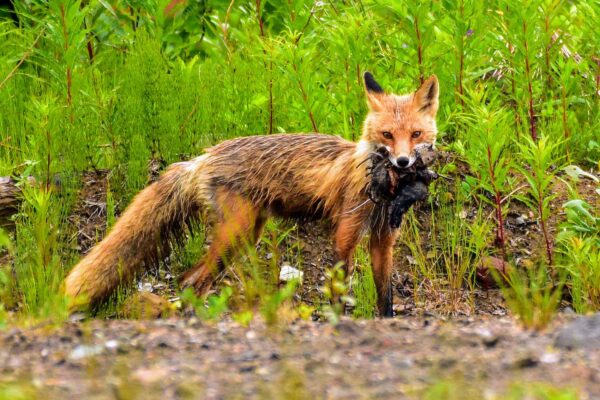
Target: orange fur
(243, 181)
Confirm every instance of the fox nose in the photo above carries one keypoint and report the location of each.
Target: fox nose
(402, 161)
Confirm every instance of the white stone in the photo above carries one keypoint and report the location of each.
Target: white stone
(288, 273)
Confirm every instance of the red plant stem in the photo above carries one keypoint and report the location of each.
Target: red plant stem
(462, 58)
(351, 116)
(90, 49)
(545, 232)
(500, 240)
(419, 50)
(547, 49)
(598, 77)
(540, 206)
(270, 96)
(305, 99)
(269, 67)
(564, 120)
(69, 71)
(513, 84)
(259, 18)
(529, 86)
(48, 155)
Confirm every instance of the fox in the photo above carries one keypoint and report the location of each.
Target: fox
(236, 185)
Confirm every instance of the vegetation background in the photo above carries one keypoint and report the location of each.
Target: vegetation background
(129, 86)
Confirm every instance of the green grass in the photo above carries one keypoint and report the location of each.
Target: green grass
(448, 389)
(122, 86)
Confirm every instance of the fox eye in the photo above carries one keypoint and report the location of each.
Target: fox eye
(387, 135)
(416, 134)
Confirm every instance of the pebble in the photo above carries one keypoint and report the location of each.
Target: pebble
(581, 333)
(85, 351)
(112, 344)
(288, 273)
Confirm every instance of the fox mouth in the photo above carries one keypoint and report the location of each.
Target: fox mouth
(414, 155)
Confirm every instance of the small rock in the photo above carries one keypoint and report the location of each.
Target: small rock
(526, 361)
(348, 327)
(485, 277)
(487, 337)
(289, 273)
(85, 351)
(145, 287)
(146, 305)
(550, 358)
(77, 317)
(582, 333)
(112, 344)
(151, 375)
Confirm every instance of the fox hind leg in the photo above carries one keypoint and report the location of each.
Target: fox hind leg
(239, 223)
(346, 237)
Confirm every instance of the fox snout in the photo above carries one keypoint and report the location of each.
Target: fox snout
(403, 161)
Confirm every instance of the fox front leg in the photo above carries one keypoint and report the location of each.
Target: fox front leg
(381, 246)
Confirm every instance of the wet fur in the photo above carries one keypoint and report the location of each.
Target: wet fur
(239, 183)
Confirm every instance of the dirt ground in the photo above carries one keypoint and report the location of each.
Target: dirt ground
(398, 358)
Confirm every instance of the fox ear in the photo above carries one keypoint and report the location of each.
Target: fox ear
(426, 97)
(374, 92)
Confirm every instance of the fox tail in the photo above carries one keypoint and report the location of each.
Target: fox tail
(157, 217)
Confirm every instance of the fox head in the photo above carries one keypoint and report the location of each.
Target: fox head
(401, 124)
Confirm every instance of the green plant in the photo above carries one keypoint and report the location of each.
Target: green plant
(38, 267)
(363, 287)
(531, 294)
(211, 307)
(580, 221)
(579, 240)
(460, 245)
(539, 157)
(335, 290)
(5, 279)
(488, 155)
(445, 256)
(272, 302)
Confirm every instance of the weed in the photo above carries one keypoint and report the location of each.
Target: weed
(539, 157)
(363, 286)
(532, 294)
(38, 268)
(579, 240)
(211, 307)
(335, 290)
(446, 258)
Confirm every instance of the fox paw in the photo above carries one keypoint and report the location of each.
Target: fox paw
(198, 278)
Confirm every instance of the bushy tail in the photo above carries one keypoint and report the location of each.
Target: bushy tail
(156, 217)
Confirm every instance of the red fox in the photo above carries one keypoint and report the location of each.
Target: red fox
(239, 183)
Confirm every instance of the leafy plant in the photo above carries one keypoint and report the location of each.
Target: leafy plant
(363, 287)
(335, 291)
(531, 294)
(447, 256)
(539, 157)
(211, 307)
(488, 155)
(579, 240)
